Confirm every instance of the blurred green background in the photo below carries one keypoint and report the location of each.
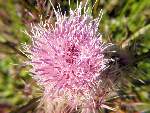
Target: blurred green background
(124, 22)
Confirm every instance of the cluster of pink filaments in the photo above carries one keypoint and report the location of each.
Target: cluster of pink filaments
(68, 58)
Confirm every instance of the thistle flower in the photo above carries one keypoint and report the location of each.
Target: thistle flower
(68, 61)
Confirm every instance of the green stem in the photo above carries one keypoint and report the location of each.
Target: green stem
(136, 35)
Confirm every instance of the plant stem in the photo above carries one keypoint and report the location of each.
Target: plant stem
(136, 35)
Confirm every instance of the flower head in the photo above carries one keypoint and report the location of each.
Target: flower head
(68, 59)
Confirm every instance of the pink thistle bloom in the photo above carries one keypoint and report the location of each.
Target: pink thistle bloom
(68, 60)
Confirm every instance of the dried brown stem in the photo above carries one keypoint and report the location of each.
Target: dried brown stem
(28, 107)
(13, 47)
